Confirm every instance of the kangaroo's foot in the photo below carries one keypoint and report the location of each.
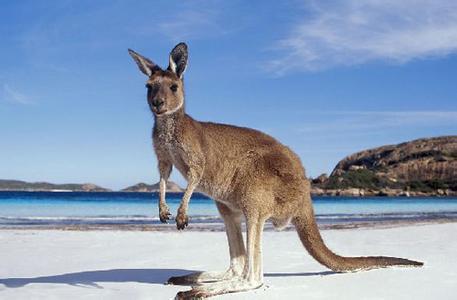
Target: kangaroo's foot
(164, 214)
(182, 220)
(219, 288)
(203, 277)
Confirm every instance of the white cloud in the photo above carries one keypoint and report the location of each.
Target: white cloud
(364, 121)
(351, 32)
(12, 95)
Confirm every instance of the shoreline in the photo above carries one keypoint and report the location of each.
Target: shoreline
(219, 227)
(382, 193)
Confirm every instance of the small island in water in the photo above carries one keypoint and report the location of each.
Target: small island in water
(423, 167)
(148, 188)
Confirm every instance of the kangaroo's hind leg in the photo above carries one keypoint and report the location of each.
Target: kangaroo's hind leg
(252, 276)
(232, 221)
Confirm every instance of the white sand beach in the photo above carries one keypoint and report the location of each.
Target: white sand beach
(53, 264)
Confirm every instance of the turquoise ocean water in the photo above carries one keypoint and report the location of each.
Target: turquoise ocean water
(28, 209)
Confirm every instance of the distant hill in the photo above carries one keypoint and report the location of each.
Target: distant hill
(423, 167)
(143, 187)
(420, 167)
(17, 185)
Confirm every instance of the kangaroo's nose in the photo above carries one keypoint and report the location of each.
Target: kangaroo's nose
(158, 103)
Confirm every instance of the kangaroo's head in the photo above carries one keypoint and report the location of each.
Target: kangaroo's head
(165, 87)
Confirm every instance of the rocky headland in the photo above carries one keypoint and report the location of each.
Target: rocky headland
(423, 167)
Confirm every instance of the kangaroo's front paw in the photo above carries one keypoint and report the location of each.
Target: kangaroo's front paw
(164, 215)
(182, 220)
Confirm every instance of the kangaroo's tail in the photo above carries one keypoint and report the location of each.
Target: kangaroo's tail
(309, 234)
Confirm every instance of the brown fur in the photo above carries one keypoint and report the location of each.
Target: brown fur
(247, 173)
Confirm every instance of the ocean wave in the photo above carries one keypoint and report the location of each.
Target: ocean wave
(205, 219)
(383, 215)
(100, 220)
(354, 218)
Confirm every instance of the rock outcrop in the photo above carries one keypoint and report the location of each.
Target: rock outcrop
(420, 167)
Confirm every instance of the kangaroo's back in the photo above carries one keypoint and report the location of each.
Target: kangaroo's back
(237, 156)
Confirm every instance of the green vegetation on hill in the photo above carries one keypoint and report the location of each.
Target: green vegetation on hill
(367, 179)
(424, 165)
(355, 179)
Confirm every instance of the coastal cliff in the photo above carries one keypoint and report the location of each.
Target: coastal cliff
(417, 168)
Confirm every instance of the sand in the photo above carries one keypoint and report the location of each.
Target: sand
(54, 264)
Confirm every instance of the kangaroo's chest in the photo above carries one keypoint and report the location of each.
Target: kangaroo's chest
(173, 151)
(179, 162)
(170, 145)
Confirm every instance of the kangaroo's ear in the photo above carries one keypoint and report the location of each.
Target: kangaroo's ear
(178, 59)
(146, 66)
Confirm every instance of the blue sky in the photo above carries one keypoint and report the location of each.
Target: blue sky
(327, 78)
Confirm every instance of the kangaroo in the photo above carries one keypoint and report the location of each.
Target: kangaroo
(248, 173)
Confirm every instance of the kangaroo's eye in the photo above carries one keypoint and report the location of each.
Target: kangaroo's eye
(174, 87)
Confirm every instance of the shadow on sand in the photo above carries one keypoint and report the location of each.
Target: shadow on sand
(91, 278)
